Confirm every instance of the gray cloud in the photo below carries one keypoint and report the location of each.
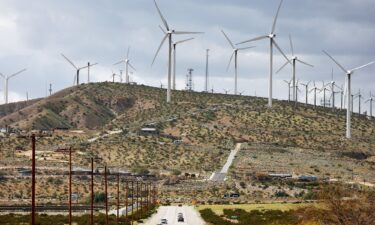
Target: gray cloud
(34, 34)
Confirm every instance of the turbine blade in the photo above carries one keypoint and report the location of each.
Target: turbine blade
(283, 66)
(230, 60)
(230, 42)
(161, 44)
(187, 32)
(69, 61)
(335, 61)
(15, 74)
(2, 75)
(119, 62)
(254, 39)
(132, 67)
(161, 16)
(277, 15)
(360, 67)
(278, 48)
(246, 48)
(291, 44)
(304, 63)
(182, 41)
(127, 54)
(162, 30)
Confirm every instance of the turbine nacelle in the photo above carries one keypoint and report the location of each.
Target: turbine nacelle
(272, 36)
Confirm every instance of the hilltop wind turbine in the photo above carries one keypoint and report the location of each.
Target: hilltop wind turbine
(271, 36)
(332, 86)
(288, 82)
(6, 83)
(370, 99)
(314, 89)
(359, 96)
(294, 60)
(168, 34)
(235, 54)
(307, 91)
(127, 65)
(174, 58)
(324, 89)
(77, 68)
(349, 74)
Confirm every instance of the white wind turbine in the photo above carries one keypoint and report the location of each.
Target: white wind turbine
(332, 86)
(306, 92)
(289, 83)
(235, 54)
(349, 74)
(271, 36)
(76, 77)
(294, 61)
(168, 34)
(370, 99)
(314, 89)
(127, 65)
(6, 83)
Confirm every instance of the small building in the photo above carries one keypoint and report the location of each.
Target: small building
(148, 131)
(307, 178)
(280, 175)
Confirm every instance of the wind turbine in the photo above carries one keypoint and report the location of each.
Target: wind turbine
(271, 37)
(6, 83)
(294, 61)
(332, 86)
(297, 90)
(349, 74)
(174, 58)
(77, 68)
(370, 99)
(342, 96)
(127, 65)
(226, 91)
(113, 76)
(359, 96)
(235, 54)
(307, 91)
(314, 89)
(168, 34)
(324, 89)
(288, 82)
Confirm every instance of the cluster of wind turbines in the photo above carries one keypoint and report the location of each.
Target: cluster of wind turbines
(292, 61)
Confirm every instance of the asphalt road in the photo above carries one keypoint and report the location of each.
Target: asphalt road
(170, 213)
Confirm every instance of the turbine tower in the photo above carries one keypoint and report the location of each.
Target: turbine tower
(289, 83)
(349, 74)
(127, 65)
(76, 77)
(332, 86)
(174, 60)
(359, 96)
(235, 54)
(206, 78)
(273, 43)
(324, 89)
(306, 92)
(370, 99)
(294, 61)
(6, 83)
(169, 33)
(314, 89)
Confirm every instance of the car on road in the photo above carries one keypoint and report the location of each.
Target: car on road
(180, 217)
(164, 221)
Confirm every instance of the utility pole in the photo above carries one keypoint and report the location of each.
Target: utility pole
(70, 186)
(118, 198)
(92, 192)
(189, 80)
(106, 195)
(33, 181)
(137, 201)
(50, 89)
(126, 200)
(206, 82)
(132, 202)
(121, 76)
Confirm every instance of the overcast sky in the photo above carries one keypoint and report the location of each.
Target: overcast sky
(33, 34)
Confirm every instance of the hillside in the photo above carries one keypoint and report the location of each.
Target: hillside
(283, 139)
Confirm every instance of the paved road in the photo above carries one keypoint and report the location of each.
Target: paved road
(170, 213)
(220, 176)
